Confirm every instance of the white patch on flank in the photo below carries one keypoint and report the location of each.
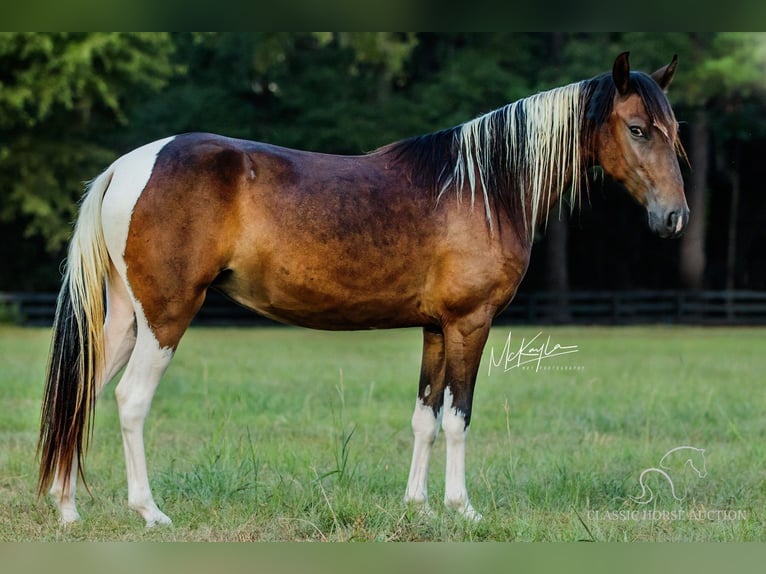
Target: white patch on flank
(425, 427)
(131, 173)
(455, 433)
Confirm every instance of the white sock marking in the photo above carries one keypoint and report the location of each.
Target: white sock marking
(65, 501)
(455, 433)
(425, 427)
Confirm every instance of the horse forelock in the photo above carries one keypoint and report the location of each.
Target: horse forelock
(657, 108)
(601, 91)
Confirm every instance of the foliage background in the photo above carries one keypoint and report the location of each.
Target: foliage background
(70, 103)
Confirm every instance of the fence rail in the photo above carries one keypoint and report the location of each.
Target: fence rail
(576, 307)
(625, 307)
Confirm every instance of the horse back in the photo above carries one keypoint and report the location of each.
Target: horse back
(325, 241)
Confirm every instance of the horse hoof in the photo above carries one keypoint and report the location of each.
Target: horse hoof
(156, 517)
(470, 514)
(68, 517)
(425, 511)
(419, 507)
(466, 510)
(158, 520)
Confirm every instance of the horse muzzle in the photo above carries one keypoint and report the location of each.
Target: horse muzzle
(669, 223)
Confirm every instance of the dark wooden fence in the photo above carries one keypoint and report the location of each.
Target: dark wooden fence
(630, 307)
(578, 307)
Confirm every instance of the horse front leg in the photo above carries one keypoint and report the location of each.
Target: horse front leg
(425, 418)
(464, 343)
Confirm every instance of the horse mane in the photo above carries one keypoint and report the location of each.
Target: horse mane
(521, 155)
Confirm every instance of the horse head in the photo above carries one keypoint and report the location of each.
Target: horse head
(637, 144)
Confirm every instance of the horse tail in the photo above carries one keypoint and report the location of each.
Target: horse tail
(76, 355)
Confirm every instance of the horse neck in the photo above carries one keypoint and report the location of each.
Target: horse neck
(525, 155)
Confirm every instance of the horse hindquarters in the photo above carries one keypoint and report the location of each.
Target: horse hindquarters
(162, 250)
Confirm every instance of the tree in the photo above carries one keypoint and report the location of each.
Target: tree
(732, 74)
(71, 103)
(61, 94)
(725, 74)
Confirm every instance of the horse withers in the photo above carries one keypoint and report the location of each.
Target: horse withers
(434, 231)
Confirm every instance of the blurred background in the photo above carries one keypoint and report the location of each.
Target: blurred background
(70, 103)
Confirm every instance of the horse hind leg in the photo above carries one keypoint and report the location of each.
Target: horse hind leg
(153, 351)
(134, 393)
(119, 328)
(119, 340)
(64, 497)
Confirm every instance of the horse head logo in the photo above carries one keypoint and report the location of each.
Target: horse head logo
(690, 455)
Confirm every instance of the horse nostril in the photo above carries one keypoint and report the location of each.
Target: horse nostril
(672, 219)
(676, 221)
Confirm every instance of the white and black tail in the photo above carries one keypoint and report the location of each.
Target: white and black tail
(77, 350)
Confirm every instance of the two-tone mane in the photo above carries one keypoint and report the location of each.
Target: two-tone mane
(525, 154)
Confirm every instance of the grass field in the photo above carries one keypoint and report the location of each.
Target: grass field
(287, 434)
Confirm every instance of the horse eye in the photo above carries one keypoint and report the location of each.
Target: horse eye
(637, 131)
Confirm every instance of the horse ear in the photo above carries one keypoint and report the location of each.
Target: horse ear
(664, 75)
(621, 73)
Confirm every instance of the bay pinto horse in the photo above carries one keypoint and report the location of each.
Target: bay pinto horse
(394, 238)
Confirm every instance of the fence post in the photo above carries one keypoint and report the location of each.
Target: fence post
(679, 306)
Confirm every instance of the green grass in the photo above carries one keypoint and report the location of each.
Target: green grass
(287, 434)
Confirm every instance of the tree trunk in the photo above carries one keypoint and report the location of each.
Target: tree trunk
(692, 264)
(557, 264)
(731, 248)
